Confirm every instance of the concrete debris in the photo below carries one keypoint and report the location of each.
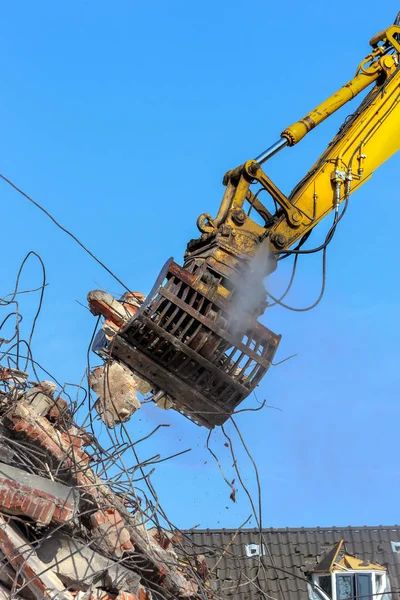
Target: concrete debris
(5, 594)
(41, 397)
(13, 376)
(9, 578)
(122, 382)
(164, 402)
(41, 581)
(80, 566)
(65, 533)
(7, 454)
(99, 595)
(117, 389)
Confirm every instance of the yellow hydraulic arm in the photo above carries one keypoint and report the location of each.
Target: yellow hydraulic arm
(367, 139)
(197, 338)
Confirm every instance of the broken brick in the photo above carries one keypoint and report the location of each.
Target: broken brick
(40, 499)
(116, 313)
(126, 596)
(110, 531)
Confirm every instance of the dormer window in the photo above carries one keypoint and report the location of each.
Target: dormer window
(340, 576)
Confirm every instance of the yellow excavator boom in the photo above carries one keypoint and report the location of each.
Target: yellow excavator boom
(196, 339)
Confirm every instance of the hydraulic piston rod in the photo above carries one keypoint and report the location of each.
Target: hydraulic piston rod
(274, 149)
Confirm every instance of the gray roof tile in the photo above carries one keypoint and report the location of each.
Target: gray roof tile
(290, 553)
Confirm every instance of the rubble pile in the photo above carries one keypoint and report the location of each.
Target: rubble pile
(65, 532)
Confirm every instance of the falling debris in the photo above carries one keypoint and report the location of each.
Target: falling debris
(233, 492)
(116, 387)
(118, 400)
(115, 312)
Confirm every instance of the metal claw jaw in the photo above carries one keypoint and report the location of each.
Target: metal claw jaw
(182, 342)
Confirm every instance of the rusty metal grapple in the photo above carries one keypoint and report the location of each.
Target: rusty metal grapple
(182, 341)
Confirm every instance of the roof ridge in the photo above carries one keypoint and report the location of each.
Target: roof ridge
(295, 529)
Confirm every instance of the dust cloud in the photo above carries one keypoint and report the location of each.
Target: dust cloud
(249, 296)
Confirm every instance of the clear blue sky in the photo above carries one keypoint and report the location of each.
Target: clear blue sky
(121, 118)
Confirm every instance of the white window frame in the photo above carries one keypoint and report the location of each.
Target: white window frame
(375, 593)
(396, 547)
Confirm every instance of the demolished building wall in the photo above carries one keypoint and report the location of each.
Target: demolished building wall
(64, 530)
